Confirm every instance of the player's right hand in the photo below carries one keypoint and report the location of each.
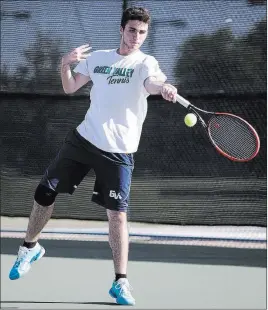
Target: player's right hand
(76, 55)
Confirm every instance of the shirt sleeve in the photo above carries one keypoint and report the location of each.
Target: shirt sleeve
(150, 67)
(83, 66)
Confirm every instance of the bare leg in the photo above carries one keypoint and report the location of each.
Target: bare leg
(38, 219)
(118, 240)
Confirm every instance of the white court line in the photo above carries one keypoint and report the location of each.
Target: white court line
(230, 233)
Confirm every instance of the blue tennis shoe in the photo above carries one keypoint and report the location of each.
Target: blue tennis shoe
(24, 260)
(121, 291)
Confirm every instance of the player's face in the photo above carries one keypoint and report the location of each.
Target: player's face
(134, 34)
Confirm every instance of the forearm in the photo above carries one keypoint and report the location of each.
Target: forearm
(156, 86)
(67, 79)
(153, 86)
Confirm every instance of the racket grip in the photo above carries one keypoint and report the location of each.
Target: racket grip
(183, 101)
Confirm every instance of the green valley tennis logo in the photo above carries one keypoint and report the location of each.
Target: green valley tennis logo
(117, 75)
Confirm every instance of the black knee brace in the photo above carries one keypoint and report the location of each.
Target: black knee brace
(44, 196)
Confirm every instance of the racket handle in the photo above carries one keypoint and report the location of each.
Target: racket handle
(183, 101)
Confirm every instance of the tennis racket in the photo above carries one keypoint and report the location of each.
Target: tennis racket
(231, 135)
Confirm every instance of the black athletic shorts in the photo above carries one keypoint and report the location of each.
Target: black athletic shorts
(75, 159)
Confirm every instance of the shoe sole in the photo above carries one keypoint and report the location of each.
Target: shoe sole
(123, 304)
(39, 255)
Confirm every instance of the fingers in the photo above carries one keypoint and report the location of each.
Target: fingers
(80, 50)
(169, 92)
(86, 49)
(84, 56)
(77, 54)
(83, 46)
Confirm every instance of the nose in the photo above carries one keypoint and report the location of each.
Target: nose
(136, 36)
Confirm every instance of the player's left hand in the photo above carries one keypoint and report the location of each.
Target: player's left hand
(169, 92)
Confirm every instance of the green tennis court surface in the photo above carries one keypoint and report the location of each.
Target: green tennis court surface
(78, 274)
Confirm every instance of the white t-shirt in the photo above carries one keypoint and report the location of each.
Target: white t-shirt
(113, 122)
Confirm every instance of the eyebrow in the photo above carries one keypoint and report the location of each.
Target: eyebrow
(132, 28)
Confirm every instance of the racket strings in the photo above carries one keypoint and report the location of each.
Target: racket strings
(233, 136)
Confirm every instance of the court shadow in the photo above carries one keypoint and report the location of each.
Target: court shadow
(182, 254)
(101, 303)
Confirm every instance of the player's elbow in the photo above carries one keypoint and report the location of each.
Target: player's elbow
(68, 91)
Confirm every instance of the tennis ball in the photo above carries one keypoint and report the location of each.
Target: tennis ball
(190, 119)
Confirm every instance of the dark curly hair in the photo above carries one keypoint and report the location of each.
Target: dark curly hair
(135, 13)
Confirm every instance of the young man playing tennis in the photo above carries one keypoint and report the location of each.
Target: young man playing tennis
(105, 141)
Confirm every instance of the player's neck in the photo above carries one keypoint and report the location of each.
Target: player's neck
(123, 50)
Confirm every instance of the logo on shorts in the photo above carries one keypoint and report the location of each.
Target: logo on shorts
(114, 195)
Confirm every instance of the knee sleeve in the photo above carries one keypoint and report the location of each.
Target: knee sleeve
(44, 196)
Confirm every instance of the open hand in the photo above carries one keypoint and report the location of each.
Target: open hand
(77, 54)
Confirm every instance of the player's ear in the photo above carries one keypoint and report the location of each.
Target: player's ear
(121, 30)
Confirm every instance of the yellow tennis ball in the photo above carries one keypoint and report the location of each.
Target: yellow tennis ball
(190, 119)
